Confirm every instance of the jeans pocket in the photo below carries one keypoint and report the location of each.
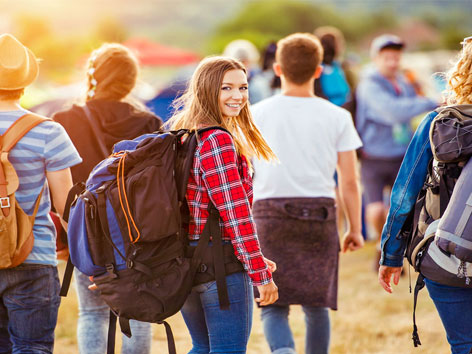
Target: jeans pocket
(37, 287)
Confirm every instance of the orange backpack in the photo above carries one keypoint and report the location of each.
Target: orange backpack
(16, 227)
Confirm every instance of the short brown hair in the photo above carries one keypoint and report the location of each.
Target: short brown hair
(7, 95)
(299, 55)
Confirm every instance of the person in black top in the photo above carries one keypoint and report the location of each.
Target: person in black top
(107, 116)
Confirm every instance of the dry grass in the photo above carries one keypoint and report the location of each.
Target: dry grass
(368, 321)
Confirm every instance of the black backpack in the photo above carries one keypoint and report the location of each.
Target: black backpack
(429, 250)
(127, 229)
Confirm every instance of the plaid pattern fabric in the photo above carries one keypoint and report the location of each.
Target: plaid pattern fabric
(219, 175)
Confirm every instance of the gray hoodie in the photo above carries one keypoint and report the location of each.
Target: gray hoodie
(383, 115)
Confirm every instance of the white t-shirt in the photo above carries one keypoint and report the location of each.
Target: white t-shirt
(306, 133)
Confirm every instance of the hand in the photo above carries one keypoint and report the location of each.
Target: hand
(386, 273)
(352, 241)
(271, 265)
(268, 294)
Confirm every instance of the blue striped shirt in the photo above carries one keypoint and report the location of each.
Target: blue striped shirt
(46, 147)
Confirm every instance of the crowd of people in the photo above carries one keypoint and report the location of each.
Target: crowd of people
(280, 173)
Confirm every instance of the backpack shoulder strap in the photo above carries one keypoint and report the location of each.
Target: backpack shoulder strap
(7, 141)
(462, 113)
(19, 128)
(419, 285)
(97, 131)
(202, 130)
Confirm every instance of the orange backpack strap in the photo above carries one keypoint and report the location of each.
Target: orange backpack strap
(8, 140)
(19, 128)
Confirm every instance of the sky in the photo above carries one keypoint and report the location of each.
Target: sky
(71, 15)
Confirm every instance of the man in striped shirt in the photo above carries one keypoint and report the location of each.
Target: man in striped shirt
(42, 158)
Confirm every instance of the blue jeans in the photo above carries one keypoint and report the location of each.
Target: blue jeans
(279, 336)
(92, 327)
(220, 331)
(28, 309)
(454, 306)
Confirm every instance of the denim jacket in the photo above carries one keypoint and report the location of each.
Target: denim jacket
(409, 181)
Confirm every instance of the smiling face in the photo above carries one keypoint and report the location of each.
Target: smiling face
(233, 93)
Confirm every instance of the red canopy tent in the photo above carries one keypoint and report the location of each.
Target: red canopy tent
(154, 54)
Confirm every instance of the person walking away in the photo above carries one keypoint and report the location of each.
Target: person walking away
(454, 304)
(42, 160)
(386, 104)
(333, 84)
(294, 206)
(265, 82)
(217, 99)
(107, 116)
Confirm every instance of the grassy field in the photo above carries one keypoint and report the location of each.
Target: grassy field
(369, 321)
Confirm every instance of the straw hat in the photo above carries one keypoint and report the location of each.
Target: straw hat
(18, 65)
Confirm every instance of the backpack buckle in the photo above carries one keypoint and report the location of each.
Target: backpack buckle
(4, 202)
(111, 270)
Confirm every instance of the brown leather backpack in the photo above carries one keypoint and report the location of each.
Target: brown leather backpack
(16, 227)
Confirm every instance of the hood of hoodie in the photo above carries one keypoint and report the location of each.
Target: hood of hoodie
(120, 120)
(117, 121)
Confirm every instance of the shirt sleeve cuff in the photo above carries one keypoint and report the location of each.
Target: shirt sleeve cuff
(391, 260)
(261, 278)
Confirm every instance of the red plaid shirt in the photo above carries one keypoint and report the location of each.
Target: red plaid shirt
(220, 175)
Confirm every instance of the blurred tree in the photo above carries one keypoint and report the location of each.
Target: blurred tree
(264, 20)
(109, 29)
(260, 21)
(453, 25)
(452, 36)
(58, 55)
(31, 29)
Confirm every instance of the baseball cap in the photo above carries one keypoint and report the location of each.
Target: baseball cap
(383, 41)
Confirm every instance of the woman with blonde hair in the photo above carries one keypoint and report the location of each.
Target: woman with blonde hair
(107, 116)
(220, 186)
(454, 304)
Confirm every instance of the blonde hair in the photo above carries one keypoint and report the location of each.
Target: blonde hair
(112, 72)
(459, 78)
(199, 107)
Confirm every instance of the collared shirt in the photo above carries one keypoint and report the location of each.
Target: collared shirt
(221, 176)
